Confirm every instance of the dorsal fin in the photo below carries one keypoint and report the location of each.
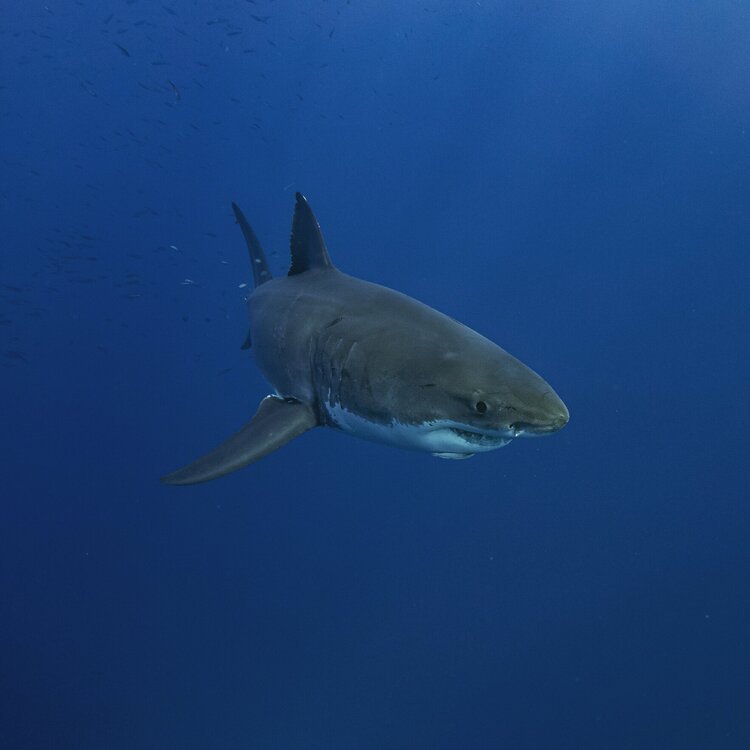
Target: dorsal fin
(307, 244)
(261, 273)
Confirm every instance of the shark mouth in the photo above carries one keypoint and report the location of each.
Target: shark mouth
(480, 439)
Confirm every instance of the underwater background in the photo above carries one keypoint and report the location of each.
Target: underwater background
(572, 179)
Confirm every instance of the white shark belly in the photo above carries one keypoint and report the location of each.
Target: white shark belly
(439, 437)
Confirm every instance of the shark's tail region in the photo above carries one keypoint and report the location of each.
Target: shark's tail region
(277, 420)
(261, 272)
(308, 248)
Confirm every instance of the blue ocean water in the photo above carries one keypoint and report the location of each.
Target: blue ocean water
(571, 179)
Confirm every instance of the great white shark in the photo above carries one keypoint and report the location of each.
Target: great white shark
(372, 362)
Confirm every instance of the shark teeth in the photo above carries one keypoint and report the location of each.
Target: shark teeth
(479, 438)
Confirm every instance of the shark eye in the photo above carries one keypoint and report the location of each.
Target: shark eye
(481, 407)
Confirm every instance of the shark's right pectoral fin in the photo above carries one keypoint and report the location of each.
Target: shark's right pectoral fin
(276, 422)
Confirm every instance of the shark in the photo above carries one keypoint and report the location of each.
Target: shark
(372, 362)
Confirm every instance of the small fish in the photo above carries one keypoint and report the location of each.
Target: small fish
(260, 19)
(122, 49)
(177, 94)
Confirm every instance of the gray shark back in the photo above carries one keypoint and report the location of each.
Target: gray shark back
(338, 341)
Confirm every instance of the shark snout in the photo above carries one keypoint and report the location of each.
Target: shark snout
(550, 415)
(559, 415)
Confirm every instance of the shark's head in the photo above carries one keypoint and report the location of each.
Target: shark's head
(479, 398)
(441, 388)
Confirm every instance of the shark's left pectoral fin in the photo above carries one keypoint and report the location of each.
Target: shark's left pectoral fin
(276, 422)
